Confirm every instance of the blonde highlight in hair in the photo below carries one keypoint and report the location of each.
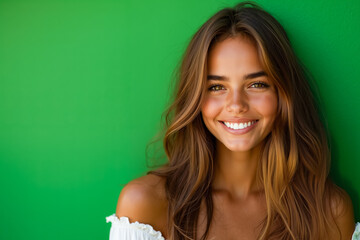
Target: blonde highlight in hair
(295, 160)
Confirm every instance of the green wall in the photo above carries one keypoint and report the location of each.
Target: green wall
(83, 85)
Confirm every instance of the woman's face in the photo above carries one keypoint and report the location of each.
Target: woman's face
(241, 101)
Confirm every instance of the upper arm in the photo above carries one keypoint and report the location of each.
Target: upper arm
(343, 213)
(133, 202)
(141, 200)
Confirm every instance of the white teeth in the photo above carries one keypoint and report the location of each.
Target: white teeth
(237, 126)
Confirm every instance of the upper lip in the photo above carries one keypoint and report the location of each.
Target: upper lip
(239, 120)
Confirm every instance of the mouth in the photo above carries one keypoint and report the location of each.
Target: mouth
(239, 125)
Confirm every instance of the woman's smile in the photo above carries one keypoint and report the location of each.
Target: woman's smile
(239, 127)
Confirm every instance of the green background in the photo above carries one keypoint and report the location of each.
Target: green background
(83, 85)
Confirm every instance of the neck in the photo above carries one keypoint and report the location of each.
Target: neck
(236, 172)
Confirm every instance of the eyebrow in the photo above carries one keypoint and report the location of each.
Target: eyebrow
(248, 76)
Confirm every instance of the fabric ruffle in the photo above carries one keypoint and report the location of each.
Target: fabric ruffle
(124, 221)
(356, 235)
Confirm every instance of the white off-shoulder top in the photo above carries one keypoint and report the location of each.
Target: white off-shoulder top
(123, 229)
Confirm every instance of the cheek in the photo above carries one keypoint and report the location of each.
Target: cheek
(211, 107)
(266, 105)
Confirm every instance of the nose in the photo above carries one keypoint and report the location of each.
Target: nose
(237, 102)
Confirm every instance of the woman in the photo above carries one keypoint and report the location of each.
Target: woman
(248, 155)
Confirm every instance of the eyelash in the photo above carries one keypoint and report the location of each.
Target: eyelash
(213, 87)
(219, 87)
(264, 85)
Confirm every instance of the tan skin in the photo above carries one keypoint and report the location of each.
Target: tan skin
(239, 202)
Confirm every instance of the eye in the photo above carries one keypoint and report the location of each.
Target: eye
(216, 87)
(259, 85)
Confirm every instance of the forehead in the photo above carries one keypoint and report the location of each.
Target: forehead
(234, 54)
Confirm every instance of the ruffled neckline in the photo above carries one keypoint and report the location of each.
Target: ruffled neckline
(158, 236)
(141, 226)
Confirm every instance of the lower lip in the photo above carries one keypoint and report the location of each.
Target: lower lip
(239, 131)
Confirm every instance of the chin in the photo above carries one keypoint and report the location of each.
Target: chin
(238, 147)
(241, 146)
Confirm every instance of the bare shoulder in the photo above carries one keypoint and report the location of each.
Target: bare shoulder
(144, 200)
(343, 213)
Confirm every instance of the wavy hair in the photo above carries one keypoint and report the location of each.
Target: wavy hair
(295, 158)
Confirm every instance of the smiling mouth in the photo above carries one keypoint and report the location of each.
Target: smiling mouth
(237, 126)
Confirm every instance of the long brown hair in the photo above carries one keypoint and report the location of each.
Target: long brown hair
(295, 158)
